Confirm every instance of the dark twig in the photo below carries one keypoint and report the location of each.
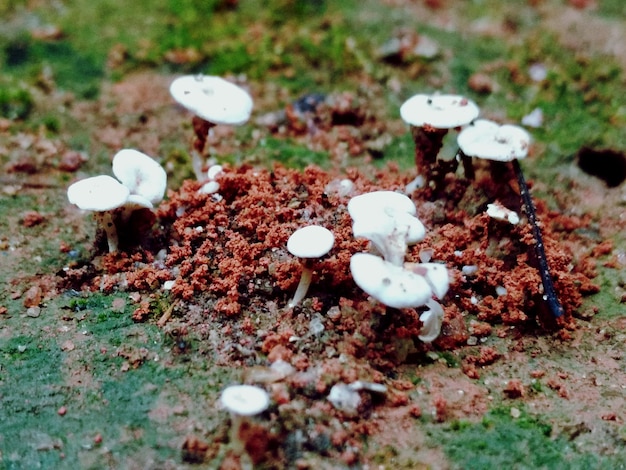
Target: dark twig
(550, 295)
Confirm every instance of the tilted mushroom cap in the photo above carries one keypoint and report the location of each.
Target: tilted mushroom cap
(487, 139)
(392, 285)
(98, 193)
(212, 98)
(436, 275)
(387, 219)
(142, 175)
(438, 111)
(363, 204)
(245, 400)
(312, 241)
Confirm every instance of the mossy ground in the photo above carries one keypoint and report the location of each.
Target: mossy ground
(83, 386)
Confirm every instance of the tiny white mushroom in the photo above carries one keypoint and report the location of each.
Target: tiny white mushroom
(141, 174)
(101, 194)
(242, 402)
(497, 211)
(308, 243)
(391, 285)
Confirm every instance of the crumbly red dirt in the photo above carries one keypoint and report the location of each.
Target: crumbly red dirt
(230, 278)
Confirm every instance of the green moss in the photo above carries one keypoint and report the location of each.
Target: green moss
(289, 154)
(16, 101)
(500, 441)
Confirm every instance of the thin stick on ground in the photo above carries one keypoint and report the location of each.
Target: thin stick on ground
(550, 296)
(166, 315)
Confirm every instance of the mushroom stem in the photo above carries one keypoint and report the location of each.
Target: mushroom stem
(550, 295)
(303, 285)
(468, 165)
(428, 141)
(105, 219)
(236, 421)
(201, 128)
(237, 445)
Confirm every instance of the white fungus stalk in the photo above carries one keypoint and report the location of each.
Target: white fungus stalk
(105, 220)
(308, 243)
(102, 195)
(303, 285)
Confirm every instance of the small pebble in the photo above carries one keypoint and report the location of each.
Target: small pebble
(33, 312)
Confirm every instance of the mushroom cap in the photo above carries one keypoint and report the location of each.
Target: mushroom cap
(245, 400)
(438, 111)
(98, 193)
(212, 98)
(312, 241)
(141, 174)
(392, 285)
(436, 274)
(487, 139)
(363, 205)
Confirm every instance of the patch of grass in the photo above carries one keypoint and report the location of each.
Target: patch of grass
(16, 101)
(31, 396)
(68, 67)
(289, 154)
(500, 441)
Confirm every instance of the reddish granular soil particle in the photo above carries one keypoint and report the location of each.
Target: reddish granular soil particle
(514, 389)
(32, 218)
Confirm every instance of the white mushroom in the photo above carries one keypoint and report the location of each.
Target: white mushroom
(102, 195)
(213, 99)
(491, 141)
(430, 118)
(386, 219)
(438, 111)
(308, 243)
(141, 174)
(242, 402)
(391, 285)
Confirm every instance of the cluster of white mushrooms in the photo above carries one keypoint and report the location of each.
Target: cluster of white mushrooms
(431, 116)
(140, 184)
(388, 219)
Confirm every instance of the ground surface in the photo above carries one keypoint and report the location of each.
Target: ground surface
(101, 367)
